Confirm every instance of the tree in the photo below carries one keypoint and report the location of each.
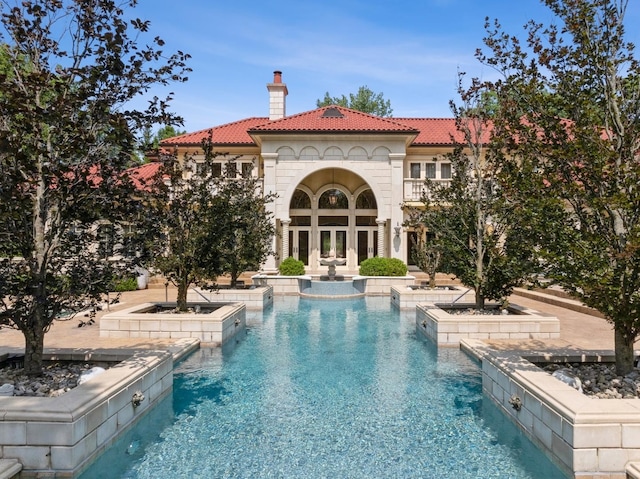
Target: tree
(211, 221)
(569, 126)
(65, 136)
(427, 256)
(365, 101)
(480, 240)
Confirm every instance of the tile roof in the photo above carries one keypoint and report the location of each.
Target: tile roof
(436, 131)
(333, 119)
(142, 175)
(228, 134)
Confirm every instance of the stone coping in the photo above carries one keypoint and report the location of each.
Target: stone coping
(406, 297)
(449, 329)
(587, 437)
(374, 285)
(60, 436)
(256, 297)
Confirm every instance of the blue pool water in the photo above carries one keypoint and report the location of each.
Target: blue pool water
(326, 389)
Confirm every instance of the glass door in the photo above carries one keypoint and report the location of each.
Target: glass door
(299, 244)
(333, 242)
(367, 243)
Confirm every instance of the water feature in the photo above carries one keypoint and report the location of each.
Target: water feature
(326, 389)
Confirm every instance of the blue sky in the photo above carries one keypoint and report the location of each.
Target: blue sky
(410, 50)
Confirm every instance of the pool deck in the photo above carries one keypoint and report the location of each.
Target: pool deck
(578, 330)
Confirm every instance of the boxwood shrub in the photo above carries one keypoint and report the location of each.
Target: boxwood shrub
(291, 267)
(383, 267)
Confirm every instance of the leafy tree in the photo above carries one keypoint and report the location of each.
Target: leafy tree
(427, 256)
(210, 223)
(569, 125)
(478, 237)
(365, 101)
(68, 70)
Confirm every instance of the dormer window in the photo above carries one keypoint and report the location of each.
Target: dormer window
(332, 112)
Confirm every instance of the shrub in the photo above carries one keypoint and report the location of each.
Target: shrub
(125, 284)
(291, 267)
(383, 267)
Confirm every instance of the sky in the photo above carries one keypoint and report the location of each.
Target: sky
(408, 50)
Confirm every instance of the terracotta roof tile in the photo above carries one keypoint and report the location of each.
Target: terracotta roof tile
(142, 175)
(228, 134)
(333, 119)
(336, 119)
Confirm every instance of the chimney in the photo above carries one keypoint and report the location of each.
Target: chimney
(277, 97)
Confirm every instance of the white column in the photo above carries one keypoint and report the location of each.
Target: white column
(285, 238)
(269, 186)
(381, 242)
(397, 249)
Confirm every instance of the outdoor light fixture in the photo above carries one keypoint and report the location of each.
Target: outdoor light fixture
(333, 196)
(398, 229)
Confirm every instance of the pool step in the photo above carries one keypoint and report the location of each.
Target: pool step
(10, 468)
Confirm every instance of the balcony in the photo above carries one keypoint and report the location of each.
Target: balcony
(413, 187)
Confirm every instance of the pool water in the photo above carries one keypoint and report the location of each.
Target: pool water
(326, 389)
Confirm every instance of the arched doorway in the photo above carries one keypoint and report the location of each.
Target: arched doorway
(332, 219)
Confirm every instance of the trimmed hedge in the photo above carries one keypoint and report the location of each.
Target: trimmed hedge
(127, 284)
(291, 267)
(383, 267)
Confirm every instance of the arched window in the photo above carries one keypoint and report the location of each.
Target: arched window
(300, 200)
(333, 199)
(366, 201)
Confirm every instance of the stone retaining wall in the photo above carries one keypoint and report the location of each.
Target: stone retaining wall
(448, 329)
(587, 437)
(408, 298)
(214, 328)
(57, 437)
(255, 299)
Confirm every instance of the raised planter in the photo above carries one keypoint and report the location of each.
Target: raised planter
(408, 297)
(59, 436)
(589, 438)
(254, 297)
(448, 329)
(141, 321)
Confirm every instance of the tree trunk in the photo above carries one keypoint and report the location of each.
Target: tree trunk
(33, 350)
(181, 301)
(624, 351)
(479, 299)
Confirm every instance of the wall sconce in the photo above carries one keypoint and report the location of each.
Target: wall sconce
(397, 230)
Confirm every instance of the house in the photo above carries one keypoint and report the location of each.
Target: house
(341, 176)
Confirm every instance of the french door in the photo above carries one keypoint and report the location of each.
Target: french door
(367, 243)
(333, 242)
(299, 246)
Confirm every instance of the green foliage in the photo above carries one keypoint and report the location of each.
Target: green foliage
(427, 256)
(479, 236)
(65, 74)
(126, 284)
(208, 224)
(291, 267)
(365, 101)
(569, 127)
(378, 266)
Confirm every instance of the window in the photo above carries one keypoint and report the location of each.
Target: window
(216, 170)
(300, 200)
(430, 170)
(445, 171)
(247, 168)
(232, 170)
(366, 200)
(415, 170)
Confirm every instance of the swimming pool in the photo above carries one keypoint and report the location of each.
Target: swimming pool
(335, 389)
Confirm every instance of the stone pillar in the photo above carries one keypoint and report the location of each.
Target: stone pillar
(381, 242)
(269, 186)
(285, 238)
